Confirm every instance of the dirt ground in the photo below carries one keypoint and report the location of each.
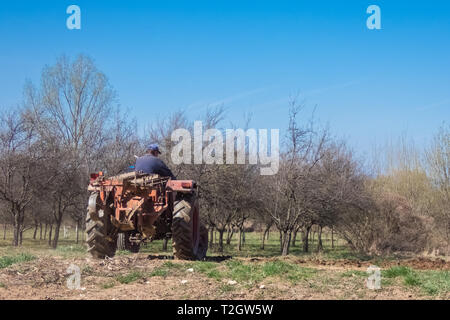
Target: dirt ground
(46, 278)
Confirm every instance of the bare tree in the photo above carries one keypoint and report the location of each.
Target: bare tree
(17, 161)
(70, 110)
(295, 180)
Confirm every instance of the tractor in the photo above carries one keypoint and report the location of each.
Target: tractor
(130, 209)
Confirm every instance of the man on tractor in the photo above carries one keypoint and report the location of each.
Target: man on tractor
(151, 164)
(132, 208)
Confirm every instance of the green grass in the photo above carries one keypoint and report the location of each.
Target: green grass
(252, 248)
(67, 247)
(435, 282)
(2, 285)
(173, 266)
(108, 284)
(168, 268)
(6, 261)
(396, 271)
(130, 277)
(123, 253)
(276, 268)
(251, 273)
(243, 272)
(202, 266)
(210, 269)
(410, 277)
(159, 272)
(285, 270)
(29, 242)
(430, 282)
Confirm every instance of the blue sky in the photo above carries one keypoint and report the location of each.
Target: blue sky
(250, 56)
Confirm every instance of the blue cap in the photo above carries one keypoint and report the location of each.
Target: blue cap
(153, 147)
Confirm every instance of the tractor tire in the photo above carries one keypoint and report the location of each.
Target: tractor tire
(189, 237)
(99, 236)
(124, 243)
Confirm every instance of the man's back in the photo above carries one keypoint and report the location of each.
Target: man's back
(151, 164)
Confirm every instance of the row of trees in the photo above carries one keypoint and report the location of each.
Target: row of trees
(66, 127)
(384, 207)
(70, 125)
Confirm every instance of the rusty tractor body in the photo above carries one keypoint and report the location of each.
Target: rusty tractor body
(127, 210)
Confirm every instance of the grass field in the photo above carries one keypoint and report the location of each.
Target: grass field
(34, 271)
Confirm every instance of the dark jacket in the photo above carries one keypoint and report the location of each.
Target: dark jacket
(151, 164)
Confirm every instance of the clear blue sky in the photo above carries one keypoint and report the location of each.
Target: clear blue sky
(250, 56)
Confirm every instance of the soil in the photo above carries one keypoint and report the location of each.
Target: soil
(46, 278)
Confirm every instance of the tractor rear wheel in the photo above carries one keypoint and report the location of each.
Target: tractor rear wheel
(124, 243)
(100, 233)
(189, 237)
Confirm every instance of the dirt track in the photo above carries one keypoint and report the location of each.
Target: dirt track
(46, 277)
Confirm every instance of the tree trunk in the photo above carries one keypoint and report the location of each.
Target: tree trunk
(40, 230)
(20, 237)
(16, 227)
(50, 235)
(294, 238)
(262, 240)
(306, 238)
(332, 238)
(76, 230)
(59, 215)
(230, 235)
(35, 230)
(239, 247)
(4, 231)
(45, 231)
(56, 236)
(319, 238)
(211, 236)
(221, 239)
(286, 241)
(265, 236)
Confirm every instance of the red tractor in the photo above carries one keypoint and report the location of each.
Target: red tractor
(127, 210)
